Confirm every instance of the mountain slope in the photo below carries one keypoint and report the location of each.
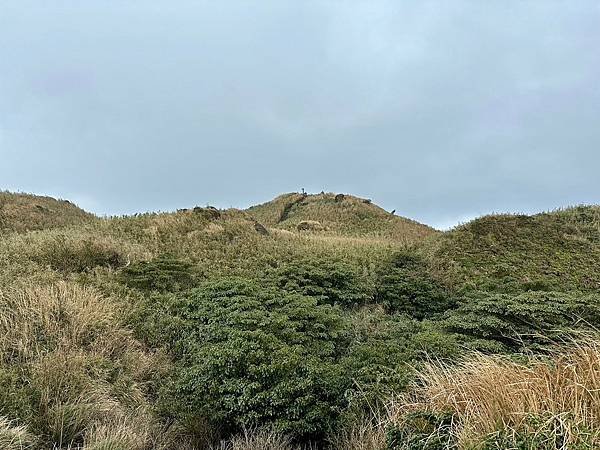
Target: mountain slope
(181, 329)
(338, 214)
(556, 250)
(25, 212)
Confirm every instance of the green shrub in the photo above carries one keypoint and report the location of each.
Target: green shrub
(421, 430)
(532, 318)
(405, 286)
(378, 365)
(329, 281)
(249, 356)
(382, 355)
(252, 356)
(161, 274)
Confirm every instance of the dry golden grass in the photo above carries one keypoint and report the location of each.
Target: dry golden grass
(257, 439)
(129, 433)
(554, 404)
(80, 251)
(367, 433)
(355, 242)
(14, 437)
(39, 258)
(86, 369)
(36, 320)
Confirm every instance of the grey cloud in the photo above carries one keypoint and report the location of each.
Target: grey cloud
(440, 110)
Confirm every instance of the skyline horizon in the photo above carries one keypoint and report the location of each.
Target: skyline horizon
(440, 226)
(125, 106)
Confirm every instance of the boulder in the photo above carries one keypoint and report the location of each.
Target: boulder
(210, 212)
(260, 229)
(309, 225)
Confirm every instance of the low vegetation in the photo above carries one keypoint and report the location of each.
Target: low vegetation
(231, 329)
(339, 214)
(511, 253)
(496, 402)
(25, 212)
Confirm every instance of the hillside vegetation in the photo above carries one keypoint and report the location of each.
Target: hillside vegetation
(338, 214)
(551, 251)
(23, 212)
(311, 321)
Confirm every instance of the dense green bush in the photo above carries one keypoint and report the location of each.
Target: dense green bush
(405, 286)
(249, 356)
(161, 274)
(383, 350)
(329, 281)
(532, 318)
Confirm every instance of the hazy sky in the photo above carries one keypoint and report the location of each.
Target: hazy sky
(441, 110)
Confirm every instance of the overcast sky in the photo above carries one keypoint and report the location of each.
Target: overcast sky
(441, 110)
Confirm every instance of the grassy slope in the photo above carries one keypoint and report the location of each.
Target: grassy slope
(59, 263)
(51, 246)
(556, 250)
(348, 216)
(25, 212)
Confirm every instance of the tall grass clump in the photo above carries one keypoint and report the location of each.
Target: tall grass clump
(496, 402)
(258, 439)
(38, 320)
(80, 252)
(71, 366)
(366, 432)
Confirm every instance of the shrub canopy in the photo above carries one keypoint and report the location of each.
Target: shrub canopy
(249, 356)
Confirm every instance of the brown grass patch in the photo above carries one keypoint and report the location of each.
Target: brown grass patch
(551, 402)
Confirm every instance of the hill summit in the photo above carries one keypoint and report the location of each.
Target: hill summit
(339, 214)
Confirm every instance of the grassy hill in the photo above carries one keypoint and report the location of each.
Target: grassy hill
(309, 320)
(340, 214)
(25, 212)
(557, 250)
